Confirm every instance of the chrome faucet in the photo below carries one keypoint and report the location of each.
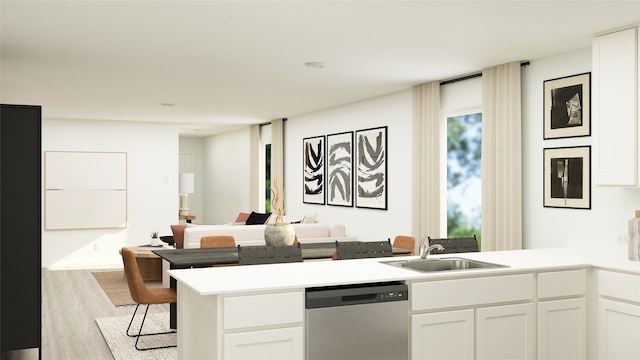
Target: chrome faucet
(426, 250)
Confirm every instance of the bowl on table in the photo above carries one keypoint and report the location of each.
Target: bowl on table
(168, 239)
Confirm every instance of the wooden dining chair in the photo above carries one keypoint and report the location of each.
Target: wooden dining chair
(405, 242)
(217, 241)
(143, 295)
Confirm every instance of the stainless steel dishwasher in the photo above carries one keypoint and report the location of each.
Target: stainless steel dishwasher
(367, 321)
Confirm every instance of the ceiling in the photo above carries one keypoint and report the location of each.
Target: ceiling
(220, 65)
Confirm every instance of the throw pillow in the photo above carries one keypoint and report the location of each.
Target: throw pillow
(309, 219)
(178, 235)
(257, 218)
(242, 217)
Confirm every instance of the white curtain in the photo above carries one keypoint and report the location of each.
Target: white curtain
(427, 166)
(254, 167)
(501, 158)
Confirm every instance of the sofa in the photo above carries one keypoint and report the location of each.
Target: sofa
(249, 235)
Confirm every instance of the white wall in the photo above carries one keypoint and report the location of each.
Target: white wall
(392, 110)
(226, 170)
(152, 184)
(604, 226)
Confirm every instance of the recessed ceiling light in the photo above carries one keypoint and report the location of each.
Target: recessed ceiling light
(168, 104)
(314, 64)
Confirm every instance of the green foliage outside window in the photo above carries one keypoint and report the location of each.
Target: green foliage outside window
(464, 173)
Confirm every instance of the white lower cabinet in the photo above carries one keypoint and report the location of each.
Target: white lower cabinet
(465, 318)
(447, 335)
(250, 332)
(285, 343)
(619, 330)
(562, 329)
(562, 315)
(505, 332)
(618, 316)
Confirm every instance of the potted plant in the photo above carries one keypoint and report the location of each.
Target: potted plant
(155, 241)
(278, 233)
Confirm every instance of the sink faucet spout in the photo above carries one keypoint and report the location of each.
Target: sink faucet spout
(425, 249)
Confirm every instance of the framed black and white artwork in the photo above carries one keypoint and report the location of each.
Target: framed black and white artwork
(340, 169)
(567, 177)
(314, 170)
(371, 163)
(567, 107)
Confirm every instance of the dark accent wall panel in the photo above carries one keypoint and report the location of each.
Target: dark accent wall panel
(20, 227)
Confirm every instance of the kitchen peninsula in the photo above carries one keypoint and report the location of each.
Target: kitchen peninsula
(548, 303)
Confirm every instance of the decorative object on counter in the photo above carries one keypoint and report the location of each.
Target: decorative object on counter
(278, 233)
(567, 107)
(371, 172)
(634, 237)
(155, 241)
(567, 177)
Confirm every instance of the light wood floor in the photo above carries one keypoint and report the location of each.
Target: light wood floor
(71, 301)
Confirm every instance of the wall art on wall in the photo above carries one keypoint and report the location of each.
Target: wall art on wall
(314, 170)
(371, 162)
(567, 106)
(340, 169)
(85, 190)
(567, 177)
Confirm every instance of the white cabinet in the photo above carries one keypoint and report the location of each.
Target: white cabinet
(285, 343)
(562, 329)
(614, 108)
(618, 315)
(562, 315)
(464, 318)
(505, 332)
(619, 330)
(447, 335)
(250, 332)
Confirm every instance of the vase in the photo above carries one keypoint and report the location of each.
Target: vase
(279, 234)
(155, 241)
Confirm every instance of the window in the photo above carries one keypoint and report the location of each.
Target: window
(464, 174)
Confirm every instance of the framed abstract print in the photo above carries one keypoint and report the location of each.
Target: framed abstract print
(371, 168)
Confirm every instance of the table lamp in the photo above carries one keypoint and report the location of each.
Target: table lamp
(185, 187)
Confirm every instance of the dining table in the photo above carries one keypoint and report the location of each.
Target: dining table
(206, 257)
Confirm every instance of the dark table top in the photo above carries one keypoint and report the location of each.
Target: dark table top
(202, 257)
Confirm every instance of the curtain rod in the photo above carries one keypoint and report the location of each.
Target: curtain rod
(473, 76)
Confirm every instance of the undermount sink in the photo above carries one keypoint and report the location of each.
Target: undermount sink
(443, 264)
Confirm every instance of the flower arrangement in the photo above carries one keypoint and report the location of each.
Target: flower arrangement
(276, 203)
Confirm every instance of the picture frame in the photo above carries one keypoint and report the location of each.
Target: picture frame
(340, 169)
(567, 177)
(371, 163)
(314, 170)
(567, 107)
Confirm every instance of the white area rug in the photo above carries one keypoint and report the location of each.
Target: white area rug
(123, 347)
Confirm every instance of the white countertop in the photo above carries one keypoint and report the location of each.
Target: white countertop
(277, 277)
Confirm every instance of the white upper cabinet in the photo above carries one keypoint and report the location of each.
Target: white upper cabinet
(614, 109)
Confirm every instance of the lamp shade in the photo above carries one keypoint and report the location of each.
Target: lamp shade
(185, 185)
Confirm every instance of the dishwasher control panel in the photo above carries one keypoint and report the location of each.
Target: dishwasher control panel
(321, 297)
(394, 295)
